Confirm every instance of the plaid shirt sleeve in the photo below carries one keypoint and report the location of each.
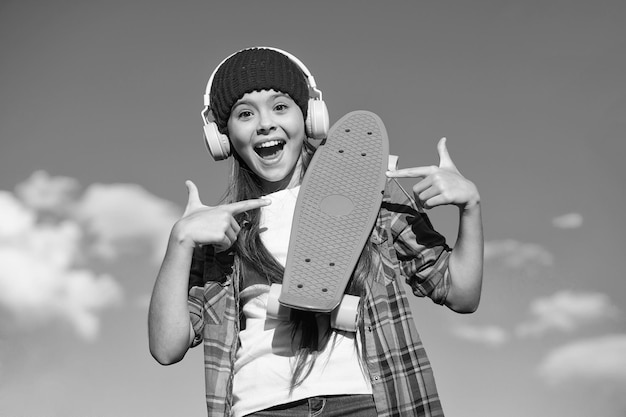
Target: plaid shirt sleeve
(422, 252)
(213, 313)
(402, 378)
(195, 300)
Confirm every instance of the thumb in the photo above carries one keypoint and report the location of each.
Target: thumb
(444, 157)
(193, 201)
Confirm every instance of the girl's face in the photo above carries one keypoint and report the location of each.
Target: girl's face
(266, 129)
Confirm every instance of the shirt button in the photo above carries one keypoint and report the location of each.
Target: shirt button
(369, 328)
(376, 377)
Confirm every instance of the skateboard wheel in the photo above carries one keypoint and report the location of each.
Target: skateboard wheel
(344, 316)
(275, 310)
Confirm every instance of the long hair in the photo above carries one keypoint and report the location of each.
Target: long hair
(310, 334)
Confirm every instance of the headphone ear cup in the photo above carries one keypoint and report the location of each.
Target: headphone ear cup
(317, 123)
(217, 143)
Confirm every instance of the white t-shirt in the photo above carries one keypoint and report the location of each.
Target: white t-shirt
(263, 366)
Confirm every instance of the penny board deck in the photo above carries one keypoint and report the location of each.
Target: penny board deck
(337, 206)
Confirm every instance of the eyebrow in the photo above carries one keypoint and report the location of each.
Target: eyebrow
(279, 94)
(272, 97)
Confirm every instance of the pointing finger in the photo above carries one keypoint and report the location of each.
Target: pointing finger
(246, 205)
(416, 172)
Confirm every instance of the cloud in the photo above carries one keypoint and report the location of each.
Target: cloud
(46, 194)
(567, 311)
(600, 359)
(568, 221)
(38, 278)
(125, 218)
(517, 256)
(15, 219)
(492, 336)
(36, 292)
(48, 234)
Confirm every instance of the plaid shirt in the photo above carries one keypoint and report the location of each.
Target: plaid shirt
(399, 370)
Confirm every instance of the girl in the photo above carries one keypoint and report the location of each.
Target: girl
(213, 284)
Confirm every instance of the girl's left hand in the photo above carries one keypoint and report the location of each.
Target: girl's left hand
(440, 185)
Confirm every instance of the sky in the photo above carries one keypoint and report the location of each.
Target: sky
(100, 126)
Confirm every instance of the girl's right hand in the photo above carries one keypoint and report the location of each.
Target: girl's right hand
(204, 225)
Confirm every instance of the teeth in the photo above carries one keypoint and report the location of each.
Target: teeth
(269, 143)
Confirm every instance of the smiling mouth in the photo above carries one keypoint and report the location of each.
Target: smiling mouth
(270, 148)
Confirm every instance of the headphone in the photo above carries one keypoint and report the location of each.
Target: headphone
(316, 123)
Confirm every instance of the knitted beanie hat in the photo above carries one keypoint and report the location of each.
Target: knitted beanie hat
(255, 69)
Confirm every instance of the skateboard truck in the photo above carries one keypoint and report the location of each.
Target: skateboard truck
(343, 317)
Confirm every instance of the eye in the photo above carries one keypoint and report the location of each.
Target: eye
(244, 114)
(281, 107)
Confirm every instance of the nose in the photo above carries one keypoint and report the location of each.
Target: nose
(266, 123)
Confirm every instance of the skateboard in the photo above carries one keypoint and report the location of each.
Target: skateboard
(335, 212)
